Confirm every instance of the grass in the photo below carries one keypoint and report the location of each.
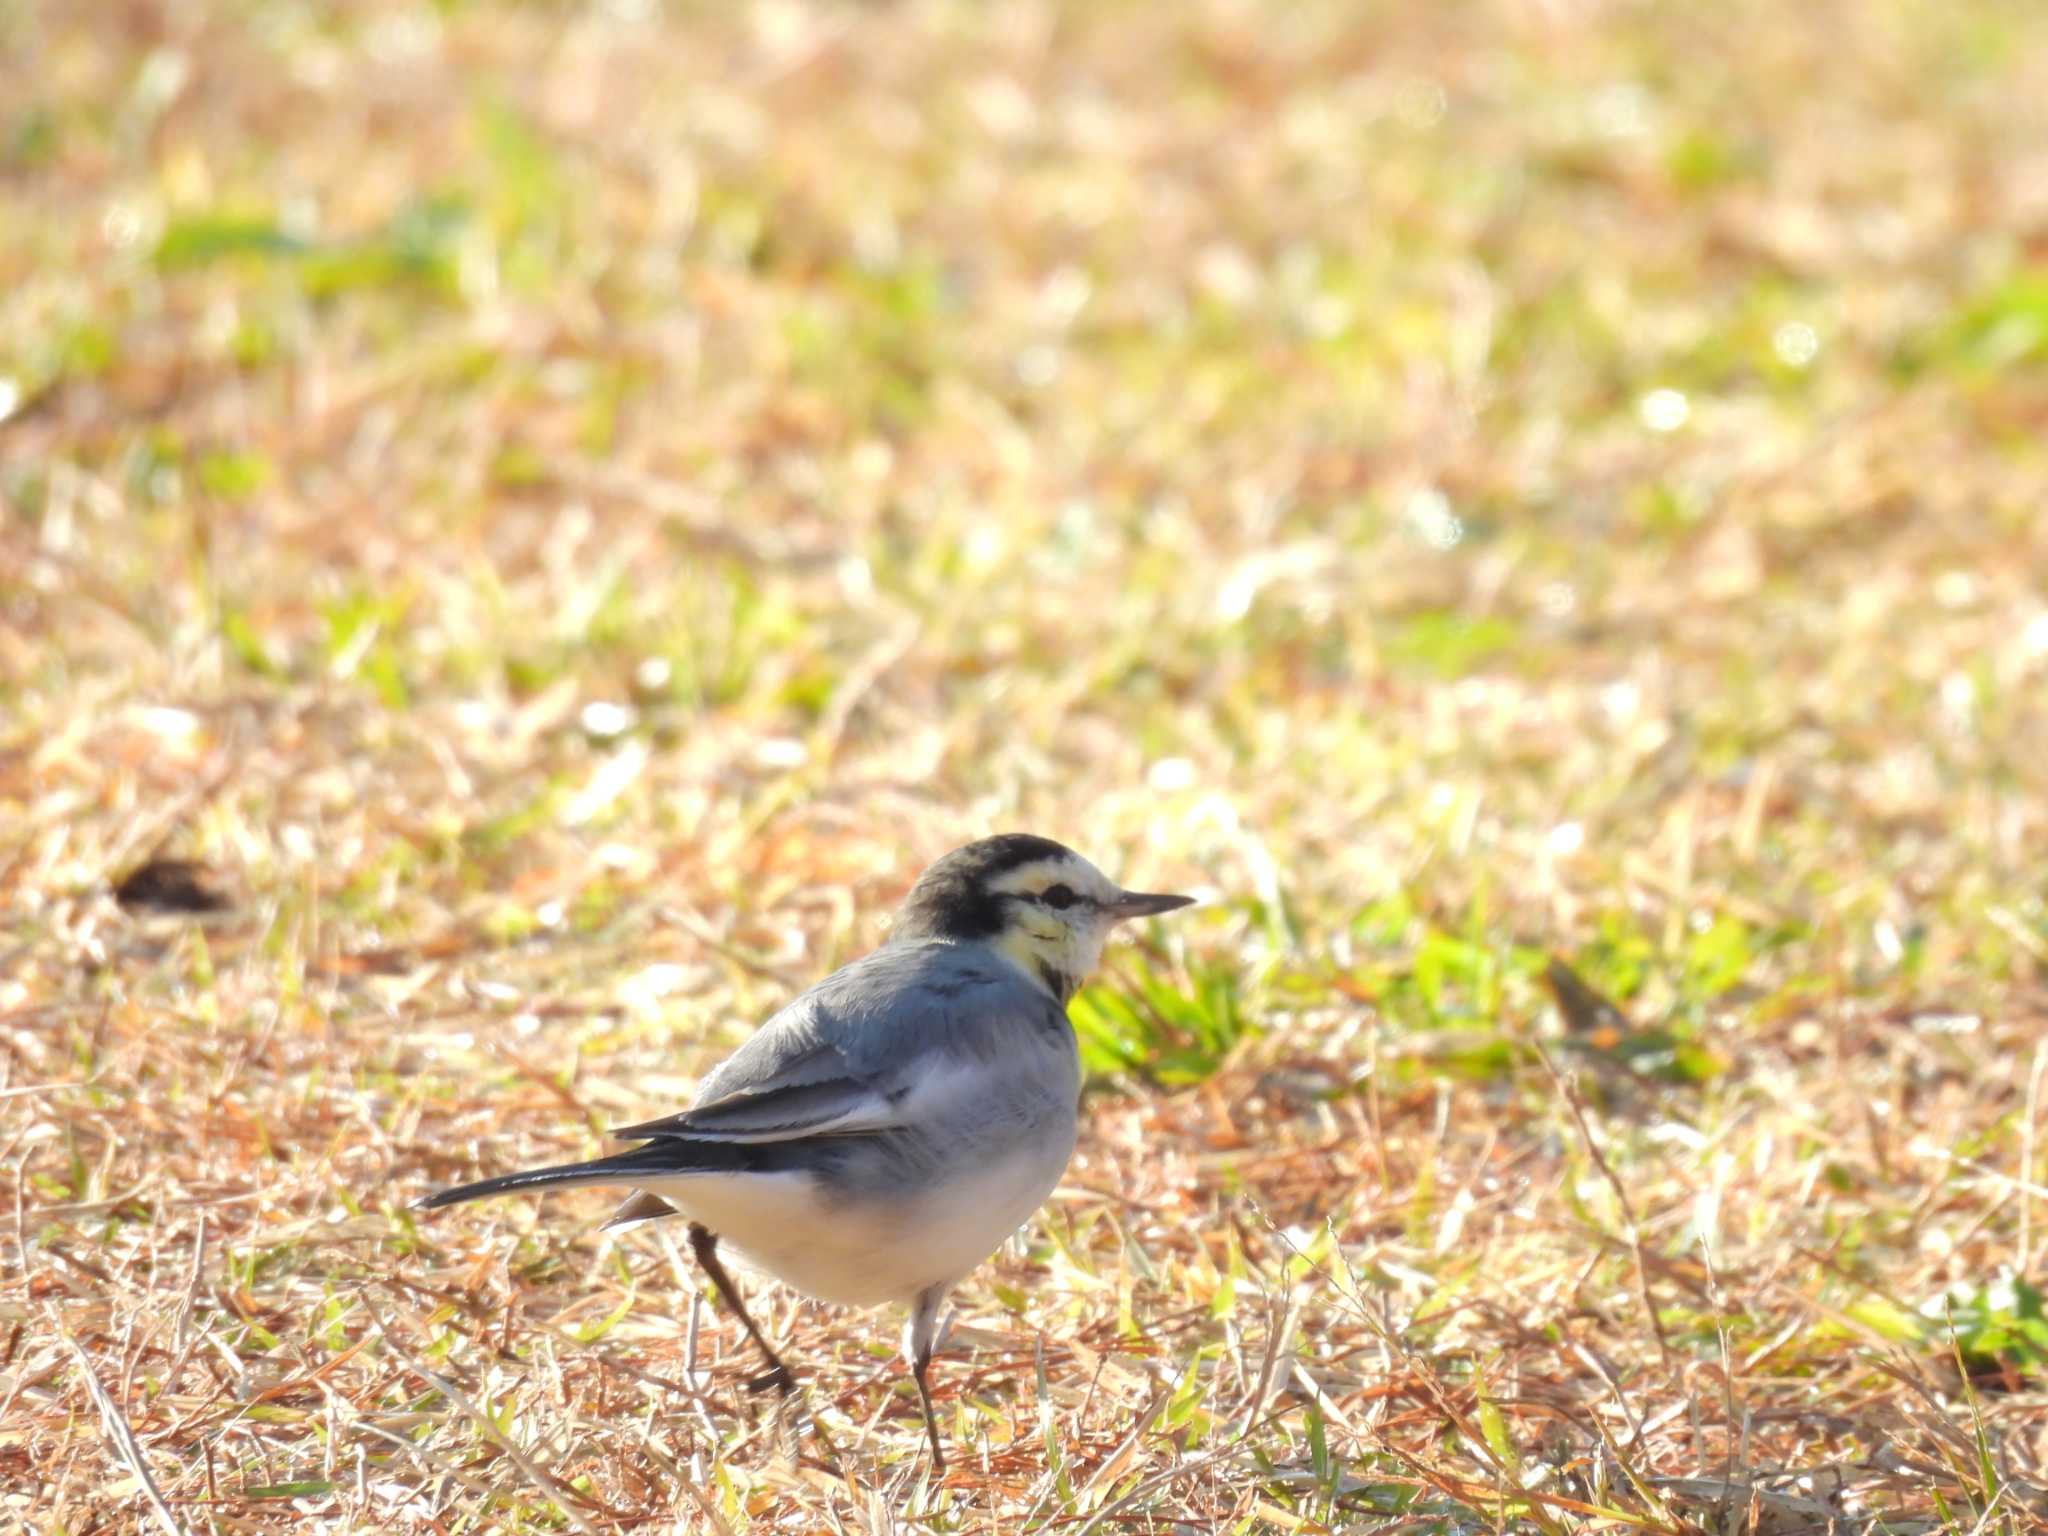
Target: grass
(557, 511)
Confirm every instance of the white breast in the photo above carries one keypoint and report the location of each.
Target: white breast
(861, 1254)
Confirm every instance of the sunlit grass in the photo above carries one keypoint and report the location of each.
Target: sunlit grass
(558, 511)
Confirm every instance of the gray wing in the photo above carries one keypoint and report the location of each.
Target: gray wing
(887, 1041)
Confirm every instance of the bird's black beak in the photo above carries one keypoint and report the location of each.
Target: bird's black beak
(1128, 904)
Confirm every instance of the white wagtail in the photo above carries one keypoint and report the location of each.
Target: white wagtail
(885, 1132)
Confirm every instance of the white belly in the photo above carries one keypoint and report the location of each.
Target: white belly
(862, 1253)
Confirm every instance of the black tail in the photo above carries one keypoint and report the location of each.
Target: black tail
(658, 1159)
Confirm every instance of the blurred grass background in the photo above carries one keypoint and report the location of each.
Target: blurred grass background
(562, 509)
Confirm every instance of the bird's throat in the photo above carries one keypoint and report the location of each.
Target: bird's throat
(1032, 956)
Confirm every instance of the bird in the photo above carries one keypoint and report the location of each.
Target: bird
(887, 1130)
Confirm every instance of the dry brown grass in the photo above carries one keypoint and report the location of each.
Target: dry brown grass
(561, 510)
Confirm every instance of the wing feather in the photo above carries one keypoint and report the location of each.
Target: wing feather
(833, 1107)
(835, 1062)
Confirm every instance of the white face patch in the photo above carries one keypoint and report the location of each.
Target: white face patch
(1056, 919)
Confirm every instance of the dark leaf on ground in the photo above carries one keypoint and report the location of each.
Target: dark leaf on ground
(171, 885)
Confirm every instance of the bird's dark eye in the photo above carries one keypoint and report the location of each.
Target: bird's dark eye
(1058, 896)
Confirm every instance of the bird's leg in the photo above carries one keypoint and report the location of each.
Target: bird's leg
(920, 1334)
(931, 1425)
(704, 1247)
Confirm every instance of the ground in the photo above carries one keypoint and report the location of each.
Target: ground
(1536, 509)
